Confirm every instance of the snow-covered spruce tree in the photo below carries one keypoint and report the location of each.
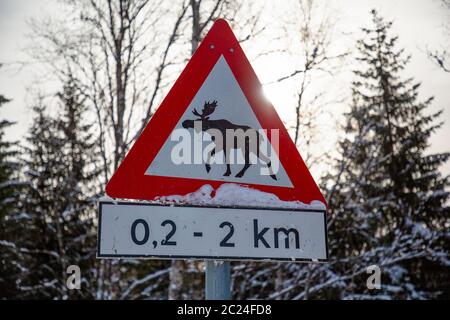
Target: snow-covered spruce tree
(61, 168)
(11, 263)
(389, 201)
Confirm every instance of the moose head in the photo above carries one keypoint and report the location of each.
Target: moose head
(208, 109)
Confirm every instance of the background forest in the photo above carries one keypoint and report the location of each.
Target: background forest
(104, 67)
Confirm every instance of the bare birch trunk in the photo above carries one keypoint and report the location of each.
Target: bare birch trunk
(179, 266)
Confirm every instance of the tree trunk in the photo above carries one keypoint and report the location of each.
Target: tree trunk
(176, 279)
(196, 29)
(179, 266)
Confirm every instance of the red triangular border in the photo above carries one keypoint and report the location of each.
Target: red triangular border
(130, 182)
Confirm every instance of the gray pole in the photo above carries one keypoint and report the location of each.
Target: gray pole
(218, 280)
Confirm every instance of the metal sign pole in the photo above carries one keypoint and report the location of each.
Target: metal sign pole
(218, 280)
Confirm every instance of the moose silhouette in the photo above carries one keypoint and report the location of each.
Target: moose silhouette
(248, 145)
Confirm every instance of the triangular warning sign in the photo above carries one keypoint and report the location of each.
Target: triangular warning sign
(215, 126)
(220, 86)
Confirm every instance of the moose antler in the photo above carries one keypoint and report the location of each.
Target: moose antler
(208, 108)
(195, 112)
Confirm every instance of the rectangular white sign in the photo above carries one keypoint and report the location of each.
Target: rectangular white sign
(139, 230)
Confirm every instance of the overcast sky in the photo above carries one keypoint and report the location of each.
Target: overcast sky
(419, 24)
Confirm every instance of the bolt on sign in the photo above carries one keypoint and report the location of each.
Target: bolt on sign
(214, 127)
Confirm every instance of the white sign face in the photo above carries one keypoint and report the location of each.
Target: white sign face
(226, 233)
(232, 105)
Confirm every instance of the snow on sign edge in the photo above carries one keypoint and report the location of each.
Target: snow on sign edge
(231, 194)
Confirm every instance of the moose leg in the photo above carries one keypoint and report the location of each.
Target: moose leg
(228, 172)
(266, 159)
(227, 155)
(241, 173)
(208, 160)
(247, 160)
